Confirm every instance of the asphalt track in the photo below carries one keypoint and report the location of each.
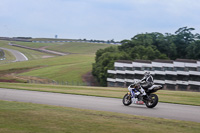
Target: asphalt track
(18, 55)
(162, 110)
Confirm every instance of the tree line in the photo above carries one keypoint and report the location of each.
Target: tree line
(148, 46)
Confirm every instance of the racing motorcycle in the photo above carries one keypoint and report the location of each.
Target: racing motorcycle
(150, 100)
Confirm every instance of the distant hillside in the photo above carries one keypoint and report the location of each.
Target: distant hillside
(73, 69)
(56, 40)
(67, 47)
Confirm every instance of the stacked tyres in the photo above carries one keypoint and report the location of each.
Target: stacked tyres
(152, 101)
(127, 100)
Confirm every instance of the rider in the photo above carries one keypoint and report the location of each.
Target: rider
(147, 82)
(134, 89)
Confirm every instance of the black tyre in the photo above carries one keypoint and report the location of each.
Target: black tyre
(127, 100)
(152, 101)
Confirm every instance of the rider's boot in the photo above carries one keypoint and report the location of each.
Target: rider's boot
(137, 93)
(143, 94)
(142, 91)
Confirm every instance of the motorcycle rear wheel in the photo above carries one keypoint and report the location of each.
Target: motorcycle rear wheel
(152, 101)
(127, 100)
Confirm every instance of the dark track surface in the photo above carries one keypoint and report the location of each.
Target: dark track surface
(162, 110)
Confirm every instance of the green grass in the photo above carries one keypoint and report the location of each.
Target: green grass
(181, 97)
(8, 57)
(76, 47)
(35, 45)
(70, 47)
(65, 72)
(69, 68)
(62, 68)
(16, 117)
(30, 54)
(51, 39)
(3, 43)
(66, 68)
(178, 97)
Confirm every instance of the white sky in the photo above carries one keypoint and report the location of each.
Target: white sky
(96, 19)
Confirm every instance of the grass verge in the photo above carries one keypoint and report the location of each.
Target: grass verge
(77, 47)
(30, 54)
(16, 117)
(178, 97)
(62, 68)
(8, 57)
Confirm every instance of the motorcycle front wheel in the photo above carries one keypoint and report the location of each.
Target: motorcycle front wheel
(152, 101)
(127, 100)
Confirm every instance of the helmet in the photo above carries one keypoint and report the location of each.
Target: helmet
(147, 73)
(135, 84)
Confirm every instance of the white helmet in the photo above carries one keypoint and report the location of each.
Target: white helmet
(147, 73)
(136, 84)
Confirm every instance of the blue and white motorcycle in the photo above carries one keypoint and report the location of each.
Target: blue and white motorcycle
(150, 99)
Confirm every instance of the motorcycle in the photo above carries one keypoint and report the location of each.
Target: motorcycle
(150, 100)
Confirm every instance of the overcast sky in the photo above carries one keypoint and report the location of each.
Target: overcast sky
(96, 19)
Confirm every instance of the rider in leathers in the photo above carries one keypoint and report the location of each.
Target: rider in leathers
(147, 82)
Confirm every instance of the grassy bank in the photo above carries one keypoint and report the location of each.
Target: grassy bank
(179, 97)
(70, 68)
(18, 117)
(69, 47)
(76, 47)
(9, 57)
(30, 54)
(62, 68)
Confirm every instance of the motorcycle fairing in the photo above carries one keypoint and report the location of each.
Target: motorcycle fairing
(154, 88)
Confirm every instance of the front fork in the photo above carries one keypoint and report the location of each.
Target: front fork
(129, 95)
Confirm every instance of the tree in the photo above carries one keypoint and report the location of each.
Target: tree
(146, 53)
(148, 46)
(193, 50)
(102, 51)
(143, 39)
(126, 45)
(183, 38)
(106, 62)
